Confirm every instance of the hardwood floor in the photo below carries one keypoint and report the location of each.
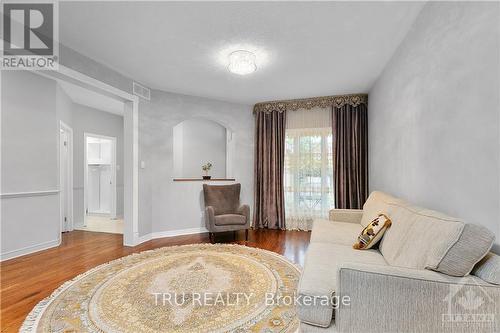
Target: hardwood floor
(27, 280)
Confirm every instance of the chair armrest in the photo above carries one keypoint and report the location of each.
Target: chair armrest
(245, 210)
(395, 299)
(346, 215)
(209, 217)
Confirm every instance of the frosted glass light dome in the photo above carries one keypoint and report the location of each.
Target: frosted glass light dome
(242, 62)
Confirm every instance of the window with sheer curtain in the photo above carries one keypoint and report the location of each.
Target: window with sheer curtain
(308, 167)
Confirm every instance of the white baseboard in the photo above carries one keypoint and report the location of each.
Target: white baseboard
(47, 245)
(180, 232)
(29, 249)
(170, 233)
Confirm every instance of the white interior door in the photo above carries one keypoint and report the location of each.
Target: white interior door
(105, 189)
(94, 198)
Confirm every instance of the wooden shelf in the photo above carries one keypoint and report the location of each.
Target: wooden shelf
(204, 180)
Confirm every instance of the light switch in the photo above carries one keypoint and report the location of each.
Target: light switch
(117, 167)
(143, 165)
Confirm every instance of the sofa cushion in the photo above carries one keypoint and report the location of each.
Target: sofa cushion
(377, 203)
(472, 245)
(402, 218)
(418, 238)
(327, 231)
(488, 269)
(319, 277)
(230, 219)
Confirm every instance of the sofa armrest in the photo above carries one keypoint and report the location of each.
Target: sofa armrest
(346, 215)
(395, 299)
(245, 210)
(209, 217)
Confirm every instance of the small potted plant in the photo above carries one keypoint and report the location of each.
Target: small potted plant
(206, 168)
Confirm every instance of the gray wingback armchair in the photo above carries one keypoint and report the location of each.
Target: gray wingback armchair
(223, 211)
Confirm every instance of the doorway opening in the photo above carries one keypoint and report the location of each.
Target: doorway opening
(128, 202)
(100, 190)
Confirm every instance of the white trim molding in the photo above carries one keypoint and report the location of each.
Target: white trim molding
(28, 194)
(171, 233)
(29, 249)
(69, 165)
(180, 232)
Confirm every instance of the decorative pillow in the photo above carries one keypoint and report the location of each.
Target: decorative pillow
(373, 232)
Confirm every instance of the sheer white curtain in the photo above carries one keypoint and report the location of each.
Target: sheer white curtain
(308, 167)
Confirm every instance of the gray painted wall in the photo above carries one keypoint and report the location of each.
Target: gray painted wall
(434, 114)
(160, 199)
(29, 133)
(94, 121)
(29, 147)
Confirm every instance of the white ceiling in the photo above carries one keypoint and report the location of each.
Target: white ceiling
(303, 49)
(92, 99)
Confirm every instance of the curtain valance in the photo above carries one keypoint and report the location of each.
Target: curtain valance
(310, 103)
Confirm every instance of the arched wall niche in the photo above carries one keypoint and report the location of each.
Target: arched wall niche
(197, 141)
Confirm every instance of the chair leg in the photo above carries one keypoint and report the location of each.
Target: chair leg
(246, 235)
(234, 234)
(211, 236)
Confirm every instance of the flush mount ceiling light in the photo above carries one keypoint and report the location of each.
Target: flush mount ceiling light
(242, 62)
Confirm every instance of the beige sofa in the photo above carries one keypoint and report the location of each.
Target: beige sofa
(423, 277)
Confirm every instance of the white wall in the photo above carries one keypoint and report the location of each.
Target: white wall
(177, 205)
(434, 114)
(88, 120)
(29, 141)
(197, 142)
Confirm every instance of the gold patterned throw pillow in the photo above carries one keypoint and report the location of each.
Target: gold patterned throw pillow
(373, 232)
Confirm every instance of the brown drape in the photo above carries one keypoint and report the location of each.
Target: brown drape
(269, 202)
(350, 155)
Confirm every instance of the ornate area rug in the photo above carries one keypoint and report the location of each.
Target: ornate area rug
(191, 288)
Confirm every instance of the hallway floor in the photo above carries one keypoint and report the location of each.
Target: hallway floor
(103, 224)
